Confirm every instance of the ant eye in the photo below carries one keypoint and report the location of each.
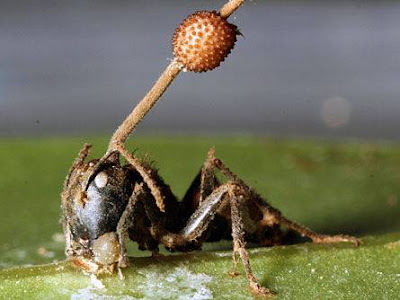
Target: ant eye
(101, 179)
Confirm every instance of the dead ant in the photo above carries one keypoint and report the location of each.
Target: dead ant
(104, 203)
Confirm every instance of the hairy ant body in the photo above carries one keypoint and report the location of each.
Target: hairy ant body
(104, 203)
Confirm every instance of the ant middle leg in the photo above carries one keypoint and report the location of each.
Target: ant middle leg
(206, 200)
(231, 194)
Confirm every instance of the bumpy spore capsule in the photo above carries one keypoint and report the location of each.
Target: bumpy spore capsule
(203, 40)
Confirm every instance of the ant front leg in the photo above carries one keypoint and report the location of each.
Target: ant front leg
(146, 172)
(122, 228)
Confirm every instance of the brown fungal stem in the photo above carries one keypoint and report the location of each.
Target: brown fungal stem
(230, 7)
(161, 85)
(144, 106)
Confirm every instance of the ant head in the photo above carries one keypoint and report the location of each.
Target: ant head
(95, 196)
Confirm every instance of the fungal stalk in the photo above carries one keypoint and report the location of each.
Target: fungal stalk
(180, 63)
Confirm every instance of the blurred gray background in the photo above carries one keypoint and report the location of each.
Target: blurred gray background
(303, 68)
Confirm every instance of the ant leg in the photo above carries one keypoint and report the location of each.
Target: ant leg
(65, 194)
(202, 186)
(200, 220)
(235, 195)
(145, 172)
(208, 181)
(273, 216)
(83, 153)
(122, 228)
(239, 244)
(317, 237)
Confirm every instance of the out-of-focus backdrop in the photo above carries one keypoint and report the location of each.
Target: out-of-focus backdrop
(309, 68)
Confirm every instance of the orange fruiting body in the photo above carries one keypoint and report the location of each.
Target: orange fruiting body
(203, 40)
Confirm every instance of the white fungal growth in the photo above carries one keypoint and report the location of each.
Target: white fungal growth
(223, 254)
(180, 283)
(96, 282)
(93, 291)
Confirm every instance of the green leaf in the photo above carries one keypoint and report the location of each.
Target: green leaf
(305, 271)
(332, 187)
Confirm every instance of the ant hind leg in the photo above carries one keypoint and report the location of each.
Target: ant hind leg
(272, 216)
